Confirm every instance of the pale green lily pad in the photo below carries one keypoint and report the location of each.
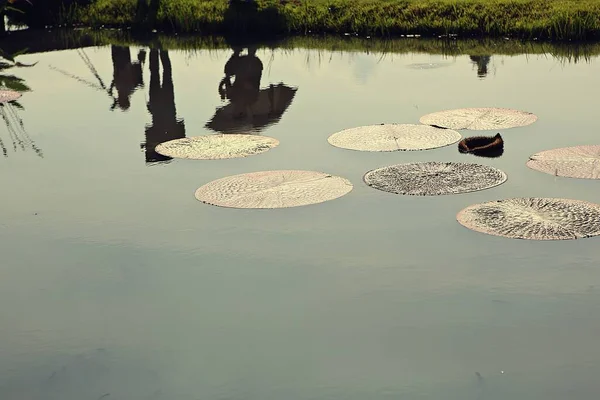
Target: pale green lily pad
(273, 189)
(212, 147)
(484, 118)
(534, 218)
(572, 162)
(393, 137)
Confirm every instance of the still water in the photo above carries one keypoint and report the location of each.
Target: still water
(116, 283)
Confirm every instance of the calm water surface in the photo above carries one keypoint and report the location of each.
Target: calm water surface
(115, 281)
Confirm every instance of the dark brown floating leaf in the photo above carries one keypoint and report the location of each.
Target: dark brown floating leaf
(534, 218)
(273, 189)
(8, 96)
(434, 178)
(486, 118)
(482, 146)
(570, 162)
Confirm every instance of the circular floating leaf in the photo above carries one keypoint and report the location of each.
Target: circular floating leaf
(571, 162)
(393, 137)
(273, 189)
(434, 178)
(534, 218)
(212, 147)
(479, 118)
(8, 95)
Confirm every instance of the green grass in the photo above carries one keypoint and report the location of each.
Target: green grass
(543, 19)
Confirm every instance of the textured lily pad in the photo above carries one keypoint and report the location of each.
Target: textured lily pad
(534, 218)
(212, 147)
(479, 118)
(273, 189)
(434, 178)
(9, 95)
(393, 137)
(571, 162)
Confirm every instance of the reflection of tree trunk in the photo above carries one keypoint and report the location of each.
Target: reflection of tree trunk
(161, 105)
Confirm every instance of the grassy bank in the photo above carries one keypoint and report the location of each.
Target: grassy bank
(543, 19)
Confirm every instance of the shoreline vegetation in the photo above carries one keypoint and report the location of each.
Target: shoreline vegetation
(557, 20)
(36, 41)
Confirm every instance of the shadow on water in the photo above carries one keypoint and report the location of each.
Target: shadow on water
(250, 108)
(165, 125)
(127, 75)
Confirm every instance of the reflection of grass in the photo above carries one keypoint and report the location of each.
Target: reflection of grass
(10, 111)
(556, 19)
(16, 129)
(572, 52)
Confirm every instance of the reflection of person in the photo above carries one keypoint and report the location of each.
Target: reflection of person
(482, 64)
(127, 76)
(244, 91)
(161, 105)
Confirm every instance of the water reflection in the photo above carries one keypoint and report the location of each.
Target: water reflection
(127, 75)
(250, 108)
(482, 63)
(18, 138)
(165, 125)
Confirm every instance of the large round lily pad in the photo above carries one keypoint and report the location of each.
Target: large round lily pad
(212, 147)
(479, 118)
(393, 137)
(571, 162)
(8, 95)
(434, 178)
(534, 218)
(273, 189)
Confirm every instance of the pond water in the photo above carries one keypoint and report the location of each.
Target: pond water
(116, 283)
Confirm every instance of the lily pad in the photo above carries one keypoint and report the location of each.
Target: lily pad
(479, 118)
(8, 96)
(273, 189)
(212, 147)
(393, 137)
(534, 218)
(434, 178)
(571, 162)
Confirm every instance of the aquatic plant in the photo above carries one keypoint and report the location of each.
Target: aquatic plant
(571, 162)
(11, 88)
(482, 146)
(533, 218)
(393, 137)
(486, 118)
(273, 189)
(434, 178)
(220, 146)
